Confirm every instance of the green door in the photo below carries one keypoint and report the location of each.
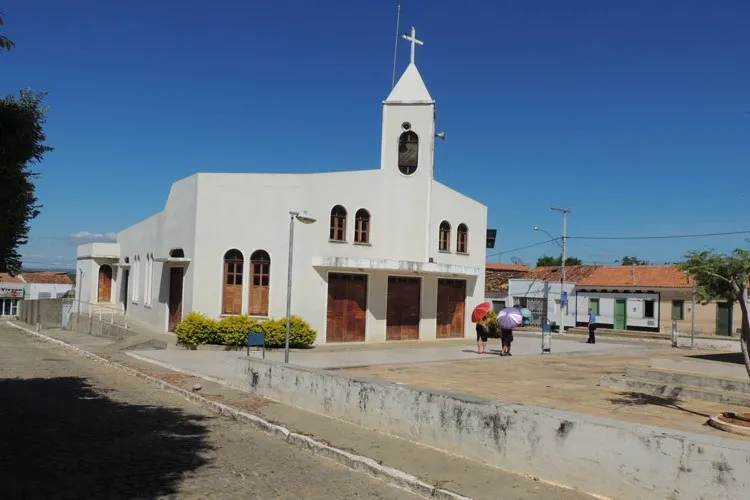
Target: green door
(723, 319)
(620, 314)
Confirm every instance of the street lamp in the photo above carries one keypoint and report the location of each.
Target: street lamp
(537, 228)
(565, 213)
(304, 218)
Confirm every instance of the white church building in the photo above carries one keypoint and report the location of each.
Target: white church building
(393, 254)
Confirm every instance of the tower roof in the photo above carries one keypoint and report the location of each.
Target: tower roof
(410, 88)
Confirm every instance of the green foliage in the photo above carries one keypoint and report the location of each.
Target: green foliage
(233, 329)
(633, 261)
(5, 43)
(549, 261)
(719, 276)
(21, 144)
(198, 329)
(492, 325)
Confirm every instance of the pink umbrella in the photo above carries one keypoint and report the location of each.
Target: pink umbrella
(509, 318)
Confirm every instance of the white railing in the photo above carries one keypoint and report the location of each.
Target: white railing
(102, 311)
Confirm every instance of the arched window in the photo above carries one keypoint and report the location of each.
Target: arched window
(177, 253)
(408, 152)
(444, 244)
(462, 244)
(105, 284)
(260, 267)
(338, 223)
(232, 296)
(362, 228)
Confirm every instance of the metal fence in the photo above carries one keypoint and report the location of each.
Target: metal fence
(108, 313)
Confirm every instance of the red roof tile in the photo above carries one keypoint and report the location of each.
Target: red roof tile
(7, 278)
(505, 267)
(638, 276)
(47, 277)
(573, 274)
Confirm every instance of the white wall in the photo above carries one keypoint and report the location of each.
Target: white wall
(54, 289)
(518, 288)
(634, 308)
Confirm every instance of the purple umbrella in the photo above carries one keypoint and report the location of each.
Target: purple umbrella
(509, 318)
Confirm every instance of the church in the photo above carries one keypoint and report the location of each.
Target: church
(377, 255)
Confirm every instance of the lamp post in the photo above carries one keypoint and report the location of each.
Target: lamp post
(304, 218)
(565, 213)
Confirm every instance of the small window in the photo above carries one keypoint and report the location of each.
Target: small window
(444, 244)
(338, 224)
(462, 245)
(678, 310)
(232, 293)
(260, 269)
(45, 295)
(408, 152)
(594, 306)
(648, 308)
(362, 229)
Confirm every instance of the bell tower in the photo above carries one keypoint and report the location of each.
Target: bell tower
(409, 124)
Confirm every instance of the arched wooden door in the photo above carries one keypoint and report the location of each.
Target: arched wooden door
(105, 284)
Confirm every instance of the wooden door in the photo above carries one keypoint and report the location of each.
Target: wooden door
(621, 315)
(347, 307)
(105, 284)
(451, 303)
(175, 297)
(403, 309)
(723, 319)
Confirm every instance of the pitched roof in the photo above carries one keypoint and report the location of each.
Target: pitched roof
(496, 276)
(47, 277)
(7, 278)
(506, 267)
(638, 276)
(573, 274)
(410, 88)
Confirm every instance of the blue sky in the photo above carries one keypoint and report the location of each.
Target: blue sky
(633, 114)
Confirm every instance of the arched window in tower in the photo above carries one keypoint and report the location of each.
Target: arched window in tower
(462, 244)
(232, 296)
(260, 267)
(444, 243)
(338, 223)
(362, 229)
(408, 152)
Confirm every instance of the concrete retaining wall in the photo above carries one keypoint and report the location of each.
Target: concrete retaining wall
(716, 343)
(47, 312)
(605, 457)
(87, 324)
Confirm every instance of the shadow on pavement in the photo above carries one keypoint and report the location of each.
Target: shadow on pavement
(724, 357)
(638, 399)
(60, 438)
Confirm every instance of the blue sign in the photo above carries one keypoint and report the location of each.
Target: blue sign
(564, 300)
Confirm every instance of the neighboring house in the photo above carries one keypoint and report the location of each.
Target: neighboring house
(496, 278)
(394, 254)
(47, 284)
(648, 298)
(29, 286)
(539, 291)
(12, 290)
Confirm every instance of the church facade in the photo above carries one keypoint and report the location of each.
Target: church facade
(393, 254)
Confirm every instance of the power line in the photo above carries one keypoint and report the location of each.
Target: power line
(522, 248)
(664, 237)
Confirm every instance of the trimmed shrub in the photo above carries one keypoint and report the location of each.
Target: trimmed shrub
(233, 329)
(300, 334)
(492, 325)
(197, 329)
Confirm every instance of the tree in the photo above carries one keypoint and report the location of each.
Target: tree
(633, 261)
(5, 43)
(723, 277)
(22, 139)
(548, 261)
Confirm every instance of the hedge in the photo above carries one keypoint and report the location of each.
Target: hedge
(199, 329)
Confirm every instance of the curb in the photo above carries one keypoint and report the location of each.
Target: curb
(727, 427)
(354, 462)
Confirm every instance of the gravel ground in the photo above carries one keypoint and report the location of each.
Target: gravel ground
(73, 429)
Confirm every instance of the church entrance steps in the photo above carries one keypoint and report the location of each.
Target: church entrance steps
(674, 384)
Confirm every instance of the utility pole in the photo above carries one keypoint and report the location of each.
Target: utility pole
(565, 213)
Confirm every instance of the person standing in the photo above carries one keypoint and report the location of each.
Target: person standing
(482, 334)
(506, 338)
(592, 327)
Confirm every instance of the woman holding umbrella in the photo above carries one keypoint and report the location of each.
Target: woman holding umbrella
(508, 319)
(479, 316)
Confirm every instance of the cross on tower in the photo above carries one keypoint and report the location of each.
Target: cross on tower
(413, 40)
